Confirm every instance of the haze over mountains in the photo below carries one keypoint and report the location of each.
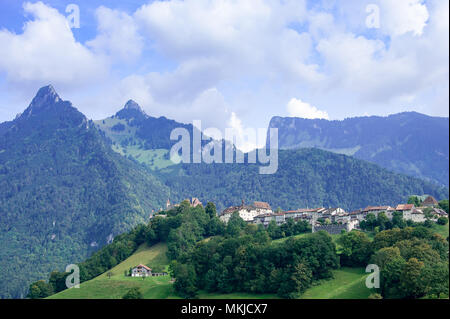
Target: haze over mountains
(409, 143)
(66, 189)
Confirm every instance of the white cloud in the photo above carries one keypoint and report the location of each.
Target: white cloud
(244, 37)
(47, 52)
(298, 108)
(247, 138)
(401, 16)
(117, 35)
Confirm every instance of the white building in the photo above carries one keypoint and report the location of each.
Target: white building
(246, 212)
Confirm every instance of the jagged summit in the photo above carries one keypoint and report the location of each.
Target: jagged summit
(45, 98)
(132, 105)
(132, 110)
(46, 95)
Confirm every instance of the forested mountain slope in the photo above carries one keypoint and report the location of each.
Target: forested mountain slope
(63, 192)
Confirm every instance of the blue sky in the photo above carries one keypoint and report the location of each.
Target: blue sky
(229, 63)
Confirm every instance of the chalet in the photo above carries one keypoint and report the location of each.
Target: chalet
(141, 271)
(246, 212)
(430, 201)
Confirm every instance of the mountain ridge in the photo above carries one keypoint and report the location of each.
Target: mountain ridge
(410, 143)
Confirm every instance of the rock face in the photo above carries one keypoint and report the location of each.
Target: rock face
(45, 97)
(409, 143)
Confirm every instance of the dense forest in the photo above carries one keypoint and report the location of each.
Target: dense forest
(409, 142)
(305, 178)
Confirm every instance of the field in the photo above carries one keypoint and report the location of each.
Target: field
(441, 229)
(114, 287)
(348, 283)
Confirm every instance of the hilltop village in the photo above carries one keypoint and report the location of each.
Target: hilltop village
(333, 220)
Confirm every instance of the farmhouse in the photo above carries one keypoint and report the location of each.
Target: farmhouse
(141, 271)
(144, 271)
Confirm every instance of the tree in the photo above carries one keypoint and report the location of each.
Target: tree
(40, 289)
(302, 277)
(414, 200)
(109, 274)
(185, 283)
(411, 282)
(444, 205)
(235, 225)
(442, 220)
(356, 248)
(210, 209)
(58, 281)
(397, 220)
(133, 293)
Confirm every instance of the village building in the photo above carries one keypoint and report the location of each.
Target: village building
(333, 211)
(415, 215)
(405, 208)
(246, 212)
(263, 219)
(357, 214)
(388, 210)
(195, 202)
(437, 212)
(430, 201)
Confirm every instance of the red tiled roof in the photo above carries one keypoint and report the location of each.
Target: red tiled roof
(262, 205)
(143, 266)
(430, 200)
(401, 207)
(371, 208)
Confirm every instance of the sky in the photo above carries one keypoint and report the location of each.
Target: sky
(228, 63)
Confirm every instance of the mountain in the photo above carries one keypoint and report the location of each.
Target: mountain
(409, 143)
(63, 192)
(307, 177)
(144, 138)
(66, 189)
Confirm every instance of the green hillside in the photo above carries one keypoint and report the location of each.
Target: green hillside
(348, 283)
(114, 287)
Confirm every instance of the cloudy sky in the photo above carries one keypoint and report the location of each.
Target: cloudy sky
(229, 63)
